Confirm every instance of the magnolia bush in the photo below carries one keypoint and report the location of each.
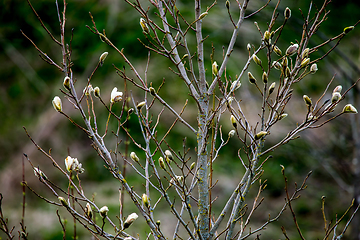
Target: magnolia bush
(181, 182)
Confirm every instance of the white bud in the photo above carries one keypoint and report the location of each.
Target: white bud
(103, 211)
(116, 96)
(57, 103)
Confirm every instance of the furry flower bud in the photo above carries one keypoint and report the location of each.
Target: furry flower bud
(338, 89)
(88, 211)
(140, 105)
(97, 92)
(277, 50)
(215, 68)
(192, 166)
(276, 65)
(292, 49)
(260, 135)
(233, 121)
(287, 13)
(336, 96)
(305, 62)
(305, 53)
(145, 200)
(349, 108)
(66, 83)
(313, 68)
(134, 157)
(203, 15)
(56, 102)
(169, 156)
(272, 88)
(264, 77)
(39, 173)
(162, 163)
(116, 96)
(256, 60)
(251, 78)
(267, 39)
(63, 201)
(102, 58)
(103, 211)
(348, 29)
(152, 91)
(248, 47)
(144, 26)
(232, 133)
(307, 100)
(227, 4)
(282, 116)
(129, 220)
(238, 85)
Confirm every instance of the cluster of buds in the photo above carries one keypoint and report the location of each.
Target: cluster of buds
(39, 173)
(336, 95)
(88, 90)
(177, 180)
(72, 164)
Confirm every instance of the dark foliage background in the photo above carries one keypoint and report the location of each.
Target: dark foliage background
(28, 85)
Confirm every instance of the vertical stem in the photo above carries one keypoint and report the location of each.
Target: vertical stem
(203, 100)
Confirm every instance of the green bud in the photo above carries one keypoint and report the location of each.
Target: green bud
(162, 163)
(152, 91)
(66, 83)
(256, 60)
(203, 15)
(305, 62)
(233, 121)
(145, 200)
(265, 77)
(272, 88)
(251, 78)
(307, 100)
(277, 51)
(348, 29)
(260, 135)
(227, 4)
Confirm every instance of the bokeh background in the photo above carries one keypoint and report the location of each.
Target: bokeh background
(28, 85)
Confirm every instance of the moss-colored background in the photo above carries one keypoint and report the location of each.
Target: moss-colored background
(28, 85)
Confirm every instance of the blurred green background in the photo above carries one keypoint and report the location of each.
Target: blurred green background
(28, 85)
